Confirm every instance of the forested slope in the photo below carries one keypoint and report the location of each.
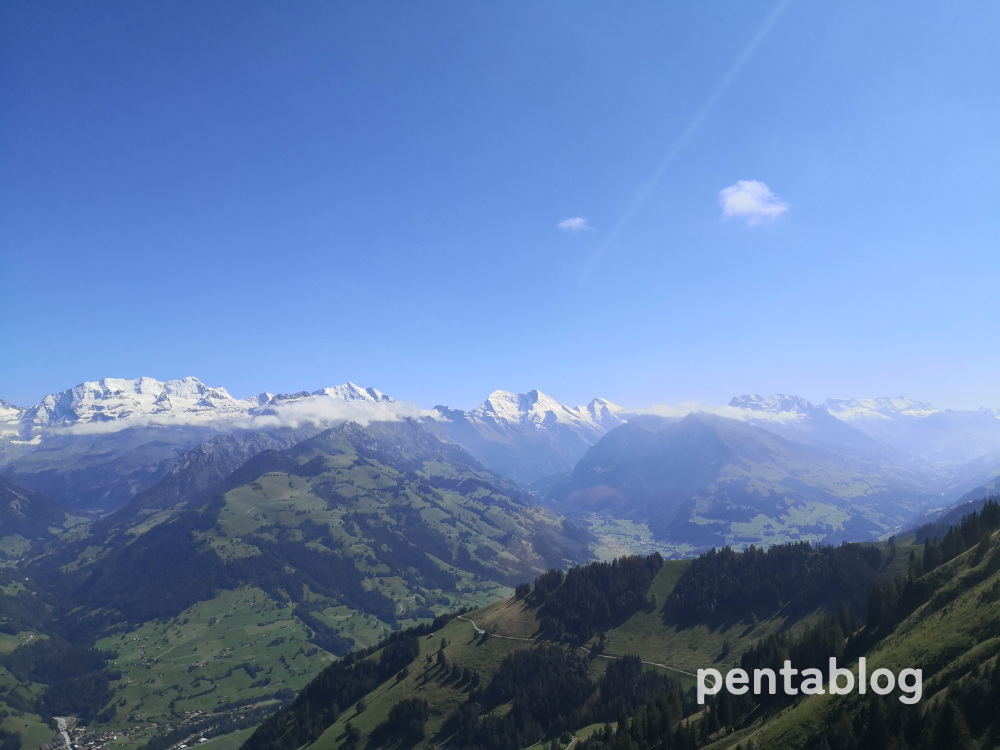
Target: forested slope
(520, 671)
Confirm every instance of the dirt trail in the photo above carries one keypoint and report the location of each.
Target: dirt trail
(480, 631)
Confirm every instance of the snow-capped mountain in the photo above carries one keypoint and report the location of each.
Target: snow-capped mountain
(509, 412)
(937, 437)
(11, 425)
(95, 445)
(864, 410)
(10, 419)
(527, 436)
(351, 392)
(797, 419)
(606, 414)
(268, 403)
(779, 403)
(124, 403)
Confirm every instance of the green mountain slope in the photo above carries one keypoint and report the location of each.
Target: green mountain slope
(953, 636)
(600, 613)
(29, 519)
(100, 472)
(245, 589)
(201, 467)
(705, 481)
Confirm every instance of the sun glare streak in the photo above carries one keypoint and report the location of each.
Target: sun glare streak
(685, 136)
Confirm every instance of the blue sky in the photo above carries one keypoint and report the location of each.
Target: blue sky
(285, 197)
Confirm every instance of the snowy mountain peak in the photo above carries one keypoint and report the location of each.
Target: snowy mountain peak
(515, 407)
(113, 399)
(527, 436)
(504, 410)
(875, 409)
(9, 412)
(775, 404)
(266, 403)
(10, 420)
(260, 399)
(351, 392)
(604, 413)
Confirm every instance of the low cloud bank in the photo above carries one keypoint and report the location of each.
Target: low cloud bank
(320, 411)
(325, 411)
(729, 412)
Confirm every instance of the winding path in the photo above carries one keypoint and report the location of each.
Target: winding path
(480, 631)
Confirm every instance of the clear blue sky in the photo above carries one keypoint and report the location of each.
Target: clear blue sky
(286, 196)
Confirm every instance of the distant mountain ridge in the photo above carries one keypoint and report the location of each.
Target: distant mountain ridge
(910, 429)
(528, 436)
(183, 401)
(26, 518)
(706, 481)
(204, 465)
(95, 446)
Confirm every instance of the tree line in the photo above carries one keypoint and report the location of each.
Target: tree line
(550, 693)
(725, 586)
(340, 685)
(966, 719)
(593, 597)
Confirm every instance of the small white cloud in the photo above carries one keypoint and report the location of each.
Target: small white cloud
(574, 225)
(751, 200)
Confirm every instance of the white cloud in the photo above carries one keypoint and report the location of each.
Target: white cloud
(318, 410)
(751, 200)
(729, 412)
(574, 225)
(323, 411)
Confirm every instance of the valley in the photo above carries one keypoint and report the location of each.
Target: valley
(450, 665)
(499, 376)
(253, 562)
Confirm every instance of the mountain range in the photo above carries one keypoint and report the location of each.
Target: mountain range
(873, 464)
(171, 552)
(910, 430)
(303, 552)
(93, 447)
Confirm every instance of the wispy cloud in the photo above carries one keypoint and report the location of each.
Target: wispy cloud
(751, 200)
(574, 225)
